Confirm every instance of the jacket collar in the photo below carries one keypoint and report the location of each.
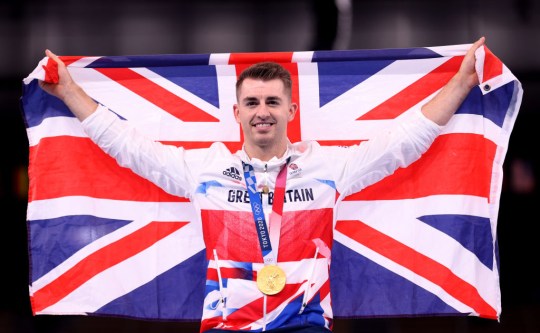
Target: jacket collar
(292, 152)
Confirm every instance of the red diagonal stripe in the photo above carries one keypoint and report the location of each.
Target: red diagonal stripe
(66, 166)
(274, 301)
(157, 95)
(68, 60)
(416, 92)
(492, 65)
(454, 164)
(417, 263)
(100, 261)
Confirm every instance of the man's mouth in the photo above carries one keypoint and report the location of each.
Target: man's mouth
(262, 125)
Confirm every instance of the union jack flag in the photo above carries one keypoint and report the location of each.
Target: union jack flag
(423, 241)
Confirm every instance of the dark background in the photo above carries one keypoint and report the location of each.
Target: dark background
(99, 27)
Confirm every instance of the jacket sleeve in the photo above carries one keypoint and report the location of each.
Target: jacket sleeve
(164, 165)
(385, 152)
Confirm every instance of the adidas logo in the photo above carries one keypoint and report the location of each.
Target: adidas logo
(233, 173)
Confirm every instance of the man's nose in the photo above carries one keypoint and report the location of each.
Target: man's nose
(262, 111)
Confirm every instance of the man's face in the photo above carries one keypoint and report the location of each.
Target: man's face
(263, 111)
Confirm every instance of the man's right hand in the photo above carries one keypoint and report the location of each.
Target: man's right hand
(67, 90)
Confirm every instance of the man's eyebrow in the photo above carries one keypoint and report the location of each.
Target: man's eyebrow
(256, 99)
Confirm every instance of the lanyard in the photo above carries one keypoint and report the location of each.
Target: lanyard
(266, 238)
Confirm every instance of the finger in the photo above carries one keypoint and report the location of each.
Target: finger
(481, 41)
(49, 53)
(470, 55)
(53, 56)
(478, 43)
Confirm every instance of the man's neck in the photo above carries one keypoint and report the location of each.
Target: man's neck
(263, 154)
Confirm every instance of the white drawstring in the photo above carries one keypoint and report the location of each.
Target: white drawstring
(223, 312)
(264, 313)
(308, 286)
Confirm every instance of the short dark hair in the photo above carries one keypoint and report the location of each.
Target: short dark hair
(266, 71)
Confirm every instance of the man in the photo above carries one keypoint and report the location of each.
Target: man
(267, 211)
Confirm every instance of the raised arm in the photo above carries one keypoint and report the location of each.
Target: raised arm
(68, 91)
(443, 106)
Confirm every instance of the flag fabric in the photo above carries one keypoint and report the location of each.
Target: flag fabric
(421, 242)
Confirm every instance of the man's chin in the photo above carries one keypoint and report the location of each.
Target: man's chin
(264, 141)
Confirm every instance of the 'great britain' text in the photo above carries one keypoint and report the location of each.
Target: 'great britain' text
(296, 195)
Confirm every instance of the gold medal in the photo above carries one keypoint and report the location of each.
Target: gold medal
(265, 189)
(271, 280)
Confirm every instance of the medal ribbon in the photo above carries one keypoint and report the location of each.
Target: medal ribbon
(266, 239)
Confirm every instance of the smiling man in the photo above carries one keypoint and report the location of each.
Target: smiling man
(267, 211)
(264, 108)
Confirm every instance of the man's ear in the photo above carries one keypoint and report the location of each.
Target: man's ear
(235, 112)
(292, 111)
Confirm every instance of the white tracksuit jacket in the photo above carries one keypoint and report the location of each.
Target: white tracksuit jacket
(318, 177)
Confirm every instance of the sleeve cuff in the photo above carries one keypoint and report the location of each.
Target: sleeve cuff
(428, 122)
(98, 122)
